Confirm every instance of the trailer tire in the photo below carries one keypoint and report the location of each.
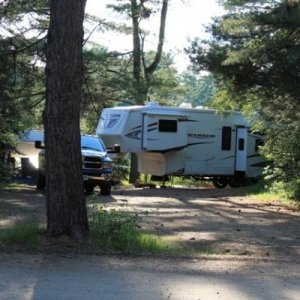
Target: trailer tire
(220, 182)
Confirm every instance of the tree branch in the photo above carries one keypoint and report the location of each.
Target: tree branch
(150, 69)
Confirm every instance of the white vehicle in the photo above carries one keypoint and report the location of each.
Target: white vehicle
(181, 141)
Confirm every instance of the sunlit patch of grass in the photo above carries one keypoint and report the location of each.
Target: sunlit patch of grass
(119, 231)
(23, 234)
(149, 242)
(260, 193)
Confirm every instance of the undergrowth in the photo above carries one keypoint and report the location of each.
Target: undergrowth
(23, 234)
(268, 193)
(119, 231)
(8, 185)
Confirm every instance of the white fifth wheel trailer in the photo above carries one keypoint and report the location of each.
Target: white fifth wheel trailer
(180, 141)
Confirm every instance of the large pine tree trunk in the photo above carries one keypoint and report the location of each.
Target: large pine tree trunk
(66, 207)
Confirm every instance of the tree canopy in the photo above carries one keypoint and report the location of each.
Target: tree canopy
(21, 78)
(254, 55)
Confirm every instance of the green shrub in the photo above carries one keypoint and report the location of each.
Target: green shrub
(289, 190)
(118, 230)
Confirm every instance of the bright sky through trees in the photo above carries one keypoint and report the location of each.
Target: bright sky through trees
(185, 20)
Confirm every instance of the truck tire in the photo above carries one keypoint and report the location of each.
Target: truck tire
(105, 189)
(89, 189)
(41, 182)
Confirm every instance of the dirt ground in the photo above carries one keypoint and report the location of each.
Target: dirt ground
(206, 221)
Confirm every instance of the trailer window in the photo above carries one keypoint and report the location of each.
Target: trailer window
(167, 126)
(226, 138)
(241, 144)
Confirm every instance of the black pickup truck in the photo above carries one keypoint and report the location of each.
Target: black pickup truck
(97, 166)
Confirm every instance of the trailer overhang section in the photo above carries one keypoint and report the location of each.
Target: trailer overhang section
(138, 129)
(111, 127)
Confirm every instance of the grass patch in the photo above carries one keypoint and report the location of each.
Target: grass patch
(23, 234)
(149, 242)
(265, 194)
(119, 231)
(5, 185)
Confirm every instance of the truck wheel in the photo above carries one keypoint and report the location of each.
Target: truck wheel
(89, 189)
(41, 182)
(220, 182)
(105, 189)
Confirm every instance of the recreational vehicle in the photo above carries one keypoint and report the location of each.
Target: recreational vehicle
(180, 141)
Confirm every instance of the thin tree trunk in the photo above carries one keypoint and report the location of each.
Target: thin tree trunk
(141, 85)
(134, 173)
(137, 63)
(163, 16)
(66, 207)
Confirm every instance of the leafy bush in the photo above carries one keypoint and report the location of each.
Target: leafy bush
(121, 168)
(118, 230)
(279, 183)
(289, 190)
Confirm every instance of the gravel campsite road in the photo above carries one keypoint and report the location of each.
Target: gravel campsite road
(40, 277)
(243, 249)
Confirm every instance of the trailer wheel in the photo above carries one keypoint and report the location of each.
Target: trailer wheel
(220, 182)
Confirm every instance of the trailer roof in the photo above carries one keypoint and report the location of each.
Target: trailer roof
(169, 110)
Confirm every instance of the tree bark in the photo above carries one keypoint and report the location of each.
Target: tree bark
(137, 63)
(163, 16)
(65, 200)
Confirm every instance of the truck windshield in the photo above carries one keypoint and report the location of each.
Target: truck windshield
(93, 143)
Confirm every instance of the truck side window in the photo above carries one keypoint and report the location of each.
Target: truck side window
(167, 126)
(226, 138)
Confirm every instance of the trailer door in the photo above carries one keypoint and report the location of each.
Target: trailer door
(241, 150)
(164, 132)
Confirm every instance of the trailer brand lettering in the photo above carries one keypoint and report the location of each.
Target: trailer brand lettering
(201, 135)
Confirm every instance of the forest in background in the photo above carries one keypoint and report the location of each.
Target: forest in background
(251, 58)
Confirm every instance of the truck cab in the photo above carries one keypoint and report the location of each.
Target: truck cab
(97, 166)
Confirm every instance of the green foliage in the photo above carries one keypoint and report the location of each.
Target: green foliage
(121, 168)
(21, 78)
(254, 54)
(19, 91)
(291, 189)
(24, 234)
(286, 193)
(108, 82)
(198, 89)
(118, 230)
